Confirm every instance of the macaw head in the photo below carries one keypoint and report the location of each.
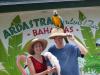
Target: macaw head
(55, 13)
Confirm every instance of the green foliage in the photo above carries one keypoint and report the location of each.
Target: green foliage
(3, 52)
(92, 58)
(14, 48)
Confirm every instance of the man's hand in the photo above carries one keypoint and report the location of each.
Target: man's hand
(70, 36)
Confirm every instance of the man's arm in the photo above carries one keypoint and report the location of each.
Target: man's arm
(82, 48)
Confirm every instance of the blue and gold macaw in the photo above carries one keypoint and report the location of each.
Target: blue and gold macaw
(57, 20)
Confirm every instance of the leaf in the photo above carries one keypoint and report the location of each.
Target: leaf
(82, 17)
(91, 58)
(16, 20)
(14, 48)
(2, 72)
(3, 52)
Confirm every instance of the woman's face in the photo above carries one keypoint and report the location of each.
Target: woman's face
(38, 48)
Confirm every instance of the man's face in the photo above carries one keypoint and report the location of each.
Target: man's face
(58, 40)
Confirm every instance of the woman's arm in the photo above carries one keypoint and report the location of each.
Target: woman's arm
(32, 69)
(21, 58)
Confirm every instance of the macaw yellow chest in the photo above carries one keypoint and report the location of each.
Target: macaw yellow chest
(56, 21)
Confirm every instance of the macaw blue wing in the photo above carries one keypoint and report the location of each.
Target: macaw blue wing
(62, 22)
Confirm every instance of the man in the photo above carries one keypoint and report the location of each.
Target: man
(67, 54)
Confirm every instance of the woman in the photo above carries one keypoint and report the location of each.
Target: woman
(35, 61)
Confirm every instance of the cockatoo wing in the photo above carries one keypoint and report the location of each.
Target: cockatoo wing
(54, 61)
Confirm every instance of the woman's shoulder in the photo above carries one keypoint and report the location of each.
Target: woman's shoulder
(44, 58)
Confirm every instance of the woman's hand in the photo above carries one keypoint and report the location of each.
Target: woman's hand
(24, 73)
(51, 70)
